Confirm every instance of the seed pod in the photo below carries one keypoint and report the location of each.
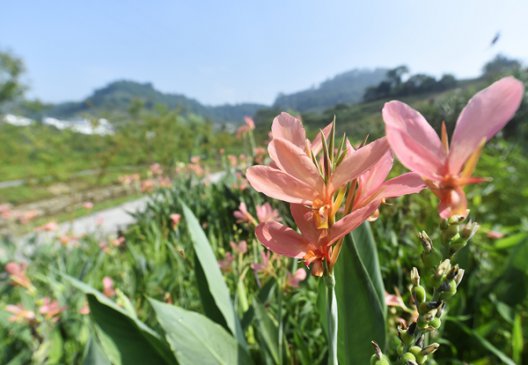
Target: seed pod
(435, 323)
(419, 294)
(450, 290)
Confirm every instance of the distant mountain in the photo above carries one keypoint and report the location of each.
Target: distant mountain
(344, 88)
(119, 96)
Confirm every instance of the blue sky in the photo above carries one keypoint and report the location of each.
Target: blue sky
(235, 51)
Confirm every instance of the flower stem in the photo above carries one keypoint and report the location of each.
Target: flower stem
(331, 319)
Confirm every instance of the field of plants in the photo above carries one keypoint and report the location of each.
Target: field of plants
(311, 249)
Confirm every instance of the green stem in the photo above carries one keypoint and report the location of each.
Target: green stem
(331, 319)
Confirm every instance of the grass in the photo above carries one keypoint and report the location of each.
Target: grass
(28, 193)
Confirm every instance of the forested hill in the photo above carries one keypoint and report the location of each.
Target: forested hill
(345, 88)
(120, 96)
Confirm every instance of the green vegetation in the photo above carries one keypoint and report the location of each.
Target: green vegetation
(345, 88)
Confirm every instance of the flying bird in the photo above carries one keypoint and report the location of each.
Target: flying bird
(495, 39)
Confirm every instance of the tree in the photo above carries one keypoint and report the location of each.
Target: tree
(11, 69)
(500, 65)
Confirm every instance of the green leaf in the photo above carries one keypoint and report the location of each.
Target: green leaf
(361, 312)
(263, 296)
(217, 288)
(195, 339)
(124, 339)
(366, 247)
(94, 355)
(268, 330)
(485, 343)
(510, 241)
(517, 339)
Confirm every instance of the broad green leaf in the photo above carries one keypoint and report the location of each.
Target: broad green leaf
(125, 339)
(368, 254)
(361, 314)
(485, 344)
(213, 277)
(195, 339)
(94, 355)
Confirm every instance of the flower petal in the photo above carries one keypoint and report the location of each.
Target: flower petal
(357, 162)
(371, 181)
(303, 217)
(452, 202)
(295, 162)
(279, 185)
(351, 221)
(484, 115)
(413, 140)
(281, 239)
(408, 183)
(289, 128)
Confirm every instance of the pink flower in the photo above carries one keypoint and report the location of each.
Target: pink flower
(233, 161)
(48, 227)
(156, 169)
(447, 169)
(259, 154)
(494, 235)
(17, 274)
(27, 216)
(394, 300)
(265, 213)
(294, 279)
(313, 245)
(243, 216)
(148, 185)
(50, 309)
(175, 219)
(88, 205)
(165, 182)
(293, 175)
(19, 313)
(226, 263)
(5, 211)
(108, 287)
(118, 242)
(246, 128)
(85, 309)
(240, 248)
(372, 186)
(264, 265)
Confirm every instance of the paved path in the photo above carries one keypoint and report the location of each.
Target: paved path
(110, 220)
(106, 221)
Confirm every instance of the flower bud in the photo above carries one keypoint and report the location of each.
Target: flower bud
(426, 241)
(468, 230)
(417, 352)
(415, 277)
(405, 336)
(408, 357)
(435, 323)
(459, 276)
(430, 349)
(441, 271)
(419, 294)
(448, 289)
(456, 219)
(378, 358)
